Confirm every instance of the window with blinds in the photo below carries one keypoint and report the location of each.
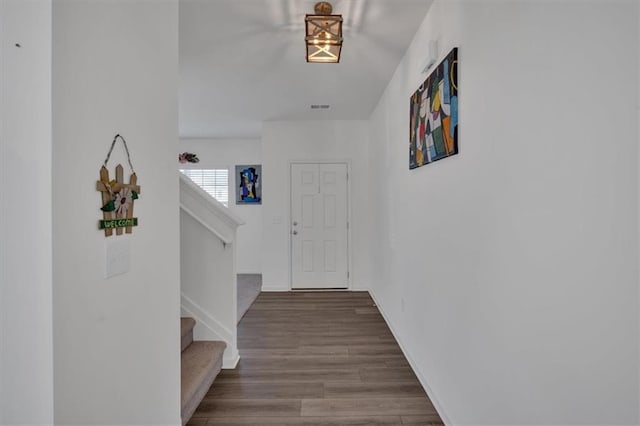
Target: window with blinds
(214, 181)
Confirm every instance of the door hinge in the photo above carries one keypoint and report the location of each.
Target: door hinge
(347, 274)
(347, 225)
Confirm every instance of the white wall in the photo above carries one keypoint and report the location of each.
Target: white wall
(510, 272)
(116, 341)
(283, 142)
(208, 280)
(227, 153)
(26, 349)
(638, 130)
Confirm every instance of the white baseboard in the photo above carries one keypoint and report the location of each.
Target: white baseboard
(204, 319)
(230, 359)
(208, 328)
(274, 289)
(266, 288)
(423, 381)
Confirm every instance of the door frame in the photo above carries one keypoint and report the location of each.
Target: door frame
(347, 162)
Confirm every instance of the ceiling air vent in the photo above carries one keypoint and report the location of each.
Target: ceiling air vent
(315, 106)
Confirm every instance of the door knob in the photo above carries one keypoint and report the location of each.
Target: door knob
(295, 232)
(295, 223)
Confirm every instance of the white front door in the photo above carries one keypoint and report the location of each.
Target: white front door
(319, 226)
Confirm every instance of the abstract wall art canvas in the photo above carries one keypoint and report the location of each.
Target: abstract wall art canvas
(433, 130)
(249, 184)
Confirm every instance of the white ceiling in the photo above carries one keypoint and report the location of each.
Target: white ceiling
(242, 62)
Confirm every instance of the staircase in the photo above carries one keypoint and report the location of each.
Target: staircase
(208, 281)
(208, 292)
(201, 363)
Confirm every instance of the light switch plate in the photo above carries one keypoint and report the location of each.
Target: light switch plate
(118, 255)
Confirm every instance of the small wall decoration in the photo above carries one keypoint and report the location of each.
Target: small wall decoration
(249, 184)
(433, 129)
(118, 197)
(187, 157)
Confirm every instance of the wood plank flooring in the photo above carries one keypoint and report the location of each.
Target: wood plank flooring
(321, 358)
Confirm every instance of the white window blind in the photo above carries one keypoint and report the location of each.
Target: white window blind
(214, 181)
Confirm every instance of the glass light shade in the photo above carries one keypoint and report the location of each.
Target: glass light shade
(323, 38)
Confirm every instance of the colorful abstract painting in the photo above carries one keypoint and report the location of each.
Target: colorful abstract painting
(433, 131)
(249, 184)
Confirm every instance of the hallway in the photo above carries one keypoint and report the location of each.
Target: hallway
(316, 358)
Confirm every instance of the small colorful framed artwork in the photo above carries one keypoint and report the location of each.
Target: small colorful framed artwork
(249, 184)
(433, 128)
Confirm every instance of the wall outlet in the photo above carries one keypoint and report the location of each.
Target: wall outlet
(118, 258)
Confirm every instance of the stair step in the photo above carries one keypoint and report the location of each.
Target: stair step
(201, 363)
(186, 332)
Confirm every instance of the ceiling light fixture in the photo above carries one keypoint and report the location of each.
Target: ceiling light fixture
(323, 34)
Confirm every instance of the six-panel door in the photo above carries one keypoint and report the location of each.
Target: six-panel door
(319, 226)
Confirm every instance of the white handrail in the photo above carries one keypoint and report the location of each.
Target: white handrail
(224, 239)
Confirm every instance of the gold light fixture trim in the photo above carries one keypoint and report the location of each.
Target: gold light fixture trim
(323, 34)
